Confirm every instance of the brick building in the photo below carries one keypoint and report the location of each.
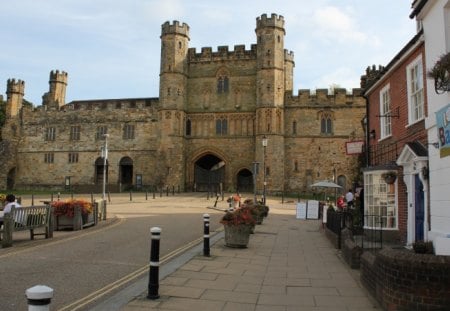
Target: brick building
(204, 130)
(397, 140)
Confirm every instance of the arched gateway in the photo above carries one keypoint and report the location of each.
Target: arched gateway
(209, 173)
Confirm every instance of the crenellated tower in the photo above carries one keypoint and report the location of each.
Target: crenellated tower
(273, 74)
(15, 90)
(173, 97)
(56, 96)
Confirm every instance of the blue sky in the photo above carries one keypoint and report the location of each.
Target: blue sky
(111, 48)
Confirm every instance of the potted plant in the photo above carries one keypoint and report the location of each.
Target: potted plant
(73, 213)
(389, 177)
(441, 74)
(238, 225)
(423, 247)
(259, 211)
(2, 199)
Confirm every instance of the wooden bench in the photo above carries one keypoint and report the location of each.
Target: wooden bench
(26, 218)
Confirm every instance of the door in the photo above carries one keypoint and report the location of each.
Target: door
(419, 208)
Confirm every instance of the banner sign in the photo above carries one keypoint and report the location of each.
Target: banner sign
(443, 130)
(354, 147)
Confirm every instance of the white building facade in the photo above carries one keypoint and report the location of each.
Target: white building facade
(434, 17)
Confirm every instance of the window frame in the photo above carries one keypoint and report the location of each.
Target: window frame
(73, 157)
(75, 132)
(50, 133)
(385, 112)
(380, 202)
(416, 90)
(101, 131)
(129, 131)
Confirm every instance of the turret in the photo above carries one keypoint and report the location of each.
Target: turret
(56, 96)
(271, 60)
(173, 71)
(15, 89)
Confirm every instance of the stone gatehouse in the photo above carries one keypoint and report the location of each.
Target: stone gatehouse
(205, 129)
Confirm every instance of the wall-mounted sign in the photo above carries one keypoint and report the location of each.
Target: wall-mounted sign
(354, 147)
(443, 130)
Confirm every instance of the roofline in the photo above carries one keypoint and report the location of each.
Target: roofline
(404, 52)
(417, 8)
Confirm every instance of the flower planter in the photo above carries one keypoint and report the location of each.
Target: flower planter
(237, 236)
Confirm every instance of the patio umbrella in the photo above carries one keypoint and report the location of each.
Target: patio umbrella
(325, 184)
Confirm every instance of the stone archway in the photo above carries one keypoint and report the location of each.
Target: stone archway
(126, 172)
(209, 173)
(11, 179)
(99, 169)
(244, 181)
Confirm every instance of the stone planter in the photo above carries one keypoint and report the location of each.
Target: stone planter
(237, 236)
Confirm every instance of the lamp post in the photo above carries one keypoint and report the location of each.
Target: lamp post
(255, 173)
(264, 143)
(105, 159)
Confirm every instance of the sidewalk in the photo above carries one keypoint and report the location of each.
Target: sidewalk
(288, 265)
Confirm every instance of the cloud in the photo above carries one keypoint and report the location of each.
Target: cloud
(332, 23)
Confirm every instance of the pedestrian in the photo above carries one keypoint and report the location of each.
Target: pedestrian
(10, 201)
(340, 203)
(236, 200)
(349, 198)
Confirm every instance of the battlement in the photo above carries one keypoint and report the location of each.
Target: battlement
(339, 96)
(223, 53)
(372, 74)
(15, 87)
(57, 76)
(175, 28)
(273, 21)
(288, 56)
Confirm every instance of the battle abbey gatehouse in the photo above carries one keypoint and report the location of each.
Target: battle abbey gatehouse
(205, 129)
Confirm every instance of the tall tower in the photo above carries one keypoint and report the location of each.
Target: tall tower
(270, 77)
(173, 97)
(56, 96)
(14, 92)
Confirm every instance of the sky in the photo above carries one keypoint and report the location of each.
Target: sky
(111, 48)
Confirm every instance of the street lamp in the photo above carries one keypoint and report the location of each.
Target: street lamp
(255, 172)
(105, 158)
(264, 143)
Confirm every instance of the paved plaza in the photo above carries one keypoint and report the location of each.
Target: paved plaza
(288, 265)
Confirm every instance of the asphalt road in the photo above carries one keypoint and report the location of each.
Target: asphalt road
(85, 267)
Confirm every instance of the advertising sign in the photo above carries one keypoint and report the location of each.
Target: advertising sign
(443, 130)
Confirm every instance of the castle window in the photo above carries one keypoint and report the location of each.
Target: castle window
(294, 127)
(101, 132)
(295, 166)
(168, 91)
(222, 85)
(128, 131)
(188, 127)
(221, 127)
(279, 39)
(49, 157)
(50, 134)
(267, 171)
(73, 157)
(180, 45)
(118, 105)
(326, 124)
(75, 132)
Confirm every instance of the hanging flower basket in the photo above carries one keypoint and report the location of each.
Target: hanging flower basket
(389, 177)
(441, 74)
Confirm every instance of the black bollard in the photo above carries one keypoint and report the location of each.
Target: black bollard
(206, 251)
(154, 194)
(32, 199)
(131, 196)
(173, 190)
(51, 198)
(167, 191)
(146, 195)
(153, 281)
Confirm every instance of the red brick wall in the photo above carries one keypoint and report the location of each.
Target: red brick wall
(401, 132)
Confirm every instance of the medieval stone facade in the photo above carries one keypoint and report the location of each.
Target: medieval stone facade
(205, 129)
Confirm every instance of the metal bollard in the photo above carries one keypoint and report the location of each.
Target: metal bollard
(146, 195)
(32, 199)
(131, 196)
(153, 280)
(206, 249)
(39, 298)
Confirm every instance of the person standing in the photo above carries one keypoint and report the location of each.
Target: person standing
(349, 198)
